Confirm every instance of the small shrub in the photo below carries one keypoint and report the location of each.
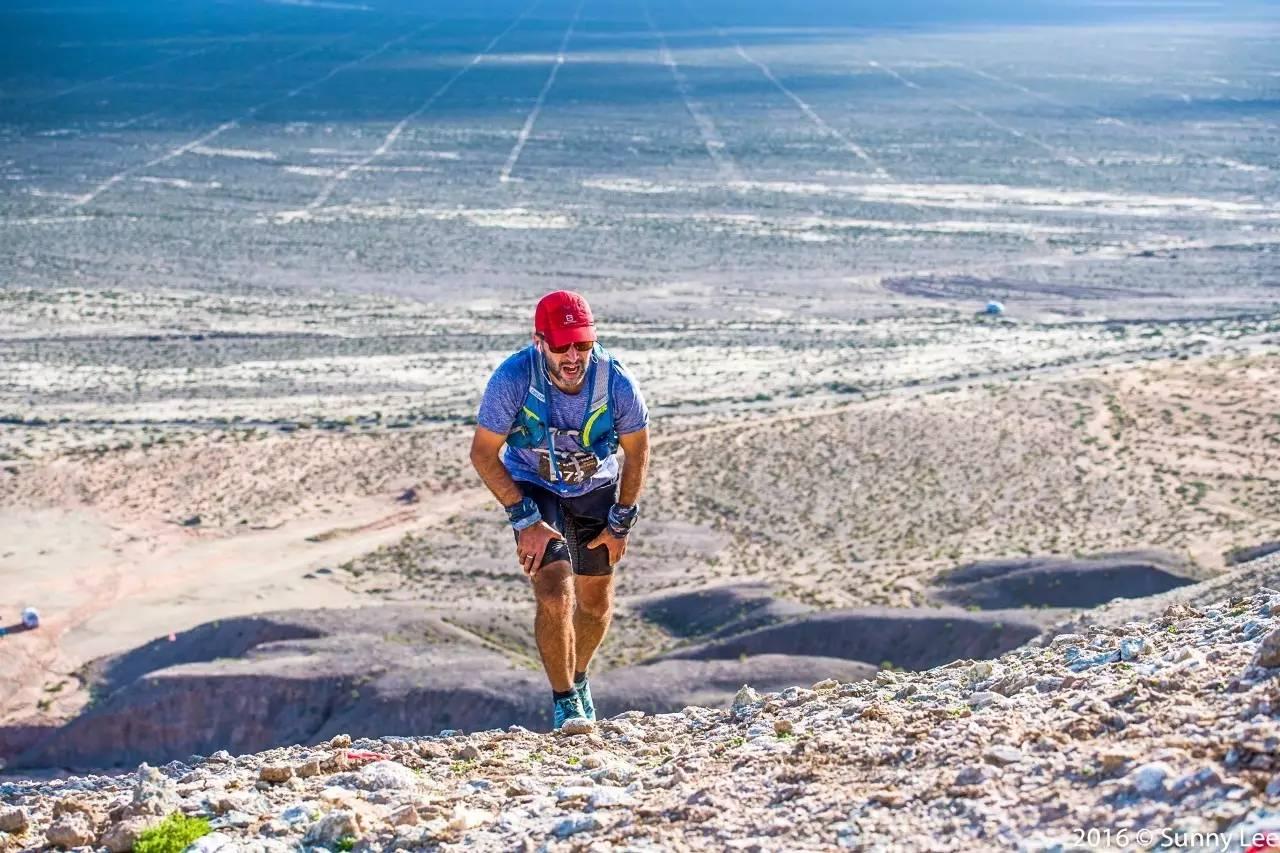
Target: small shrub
(172, 835)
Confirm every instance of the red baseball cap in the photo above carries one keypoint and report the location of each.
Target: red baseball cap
(563, 318)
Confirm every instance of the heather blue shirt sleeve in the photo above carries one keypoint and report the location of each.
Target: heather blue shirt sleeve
(504, 395)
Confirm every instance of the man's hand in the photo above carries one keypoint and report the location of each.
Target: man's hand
(532, 544)
(617, 545)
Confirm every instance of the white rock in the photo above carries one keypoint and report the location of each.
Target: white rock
(153, 792)
(334, 826)
(1132, 648)
(464, 818)
(980, 671)
(1001, 755)
(616, 771)
(338, 796)
(574, 825)
(382, 775)
(744, 701)
(214, 842)
(983, 698)
(607, 796)
(576, 726)
(296, 814)
(1149, 779)
(976, 774)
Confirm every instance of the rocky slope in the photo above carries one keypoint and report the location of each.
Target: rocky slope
(1137, 733)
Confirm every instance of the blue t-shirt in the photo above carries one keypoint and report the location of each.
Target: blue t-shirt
(504, 396)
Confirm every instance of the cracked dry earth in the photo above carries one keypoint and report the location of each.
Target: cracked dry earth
(1141, 733)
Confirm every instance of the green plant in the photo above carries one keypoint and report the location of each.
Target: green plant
(346, 842)
(463, 766)
(172, 835)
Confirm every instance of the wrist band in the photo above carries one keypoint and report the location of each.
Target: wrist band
(524, 514)
(622, 519)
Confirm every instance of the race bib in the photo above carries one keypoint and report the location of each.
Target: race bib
(575, 468)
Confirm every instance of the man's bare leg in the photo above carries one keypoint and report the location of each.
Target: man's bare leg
(553, 623)
(591, 615)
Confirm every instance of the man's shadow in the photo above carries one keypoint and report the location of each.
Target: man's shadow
(15, 628)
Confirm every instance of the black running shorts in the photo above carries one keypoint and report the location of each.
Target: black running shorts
(579, 520)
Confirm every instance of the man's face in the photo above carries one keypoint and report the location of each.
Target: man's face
(568, 369)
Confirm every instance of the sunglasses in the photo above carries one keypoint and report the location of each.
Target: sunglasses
(580, 346)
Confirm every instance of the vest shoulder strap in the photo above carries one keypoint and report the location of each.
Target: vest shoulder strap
(603, 370)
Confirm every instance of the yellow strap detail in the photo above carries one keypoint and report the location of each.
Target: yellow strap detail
(586, 429)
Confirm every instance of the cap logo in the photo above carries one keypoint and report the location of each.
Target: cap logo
(568, 318)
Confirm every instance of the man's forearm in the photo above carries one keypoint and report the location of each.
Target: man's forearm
(498, 479)
(635, 467)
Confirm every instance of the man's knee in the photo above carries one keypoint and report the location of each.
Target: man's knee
(595, 596)
(553, 587)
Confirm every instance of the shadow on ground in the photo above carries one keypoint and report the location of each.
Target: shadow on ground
(1063, 581)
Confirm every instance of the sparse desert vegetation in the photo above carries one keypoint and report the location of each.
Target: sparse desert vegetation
(845, 463)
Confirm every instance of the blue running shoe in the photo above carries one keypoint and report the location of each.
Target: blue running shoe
(568, 708)
(584, 696)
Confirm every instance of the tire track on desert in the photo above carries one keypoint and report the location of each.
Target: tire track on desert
(394, 134)
(186, 147)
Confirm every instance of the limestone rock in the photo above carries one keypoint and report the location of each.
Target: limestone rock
(307, 769)
(1268, 654)
(406, 815)
(336, 825)
(1149, 779)
(577, 726)
(120, 837)
(153, 792)
(1001, 755)
(384, 775)
(276, 772)
(215, 842)
(14, 820)
(744, 701)
(72, 829)
(464, 818)
(575, 825)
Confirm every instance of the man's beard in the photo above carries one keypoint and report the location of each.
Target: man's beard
(557, 374)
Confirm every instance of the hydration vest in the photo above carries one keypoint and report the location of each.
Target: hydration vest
(532, 428)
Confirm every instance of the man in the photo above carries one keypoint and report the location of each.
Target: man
(563, 407)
